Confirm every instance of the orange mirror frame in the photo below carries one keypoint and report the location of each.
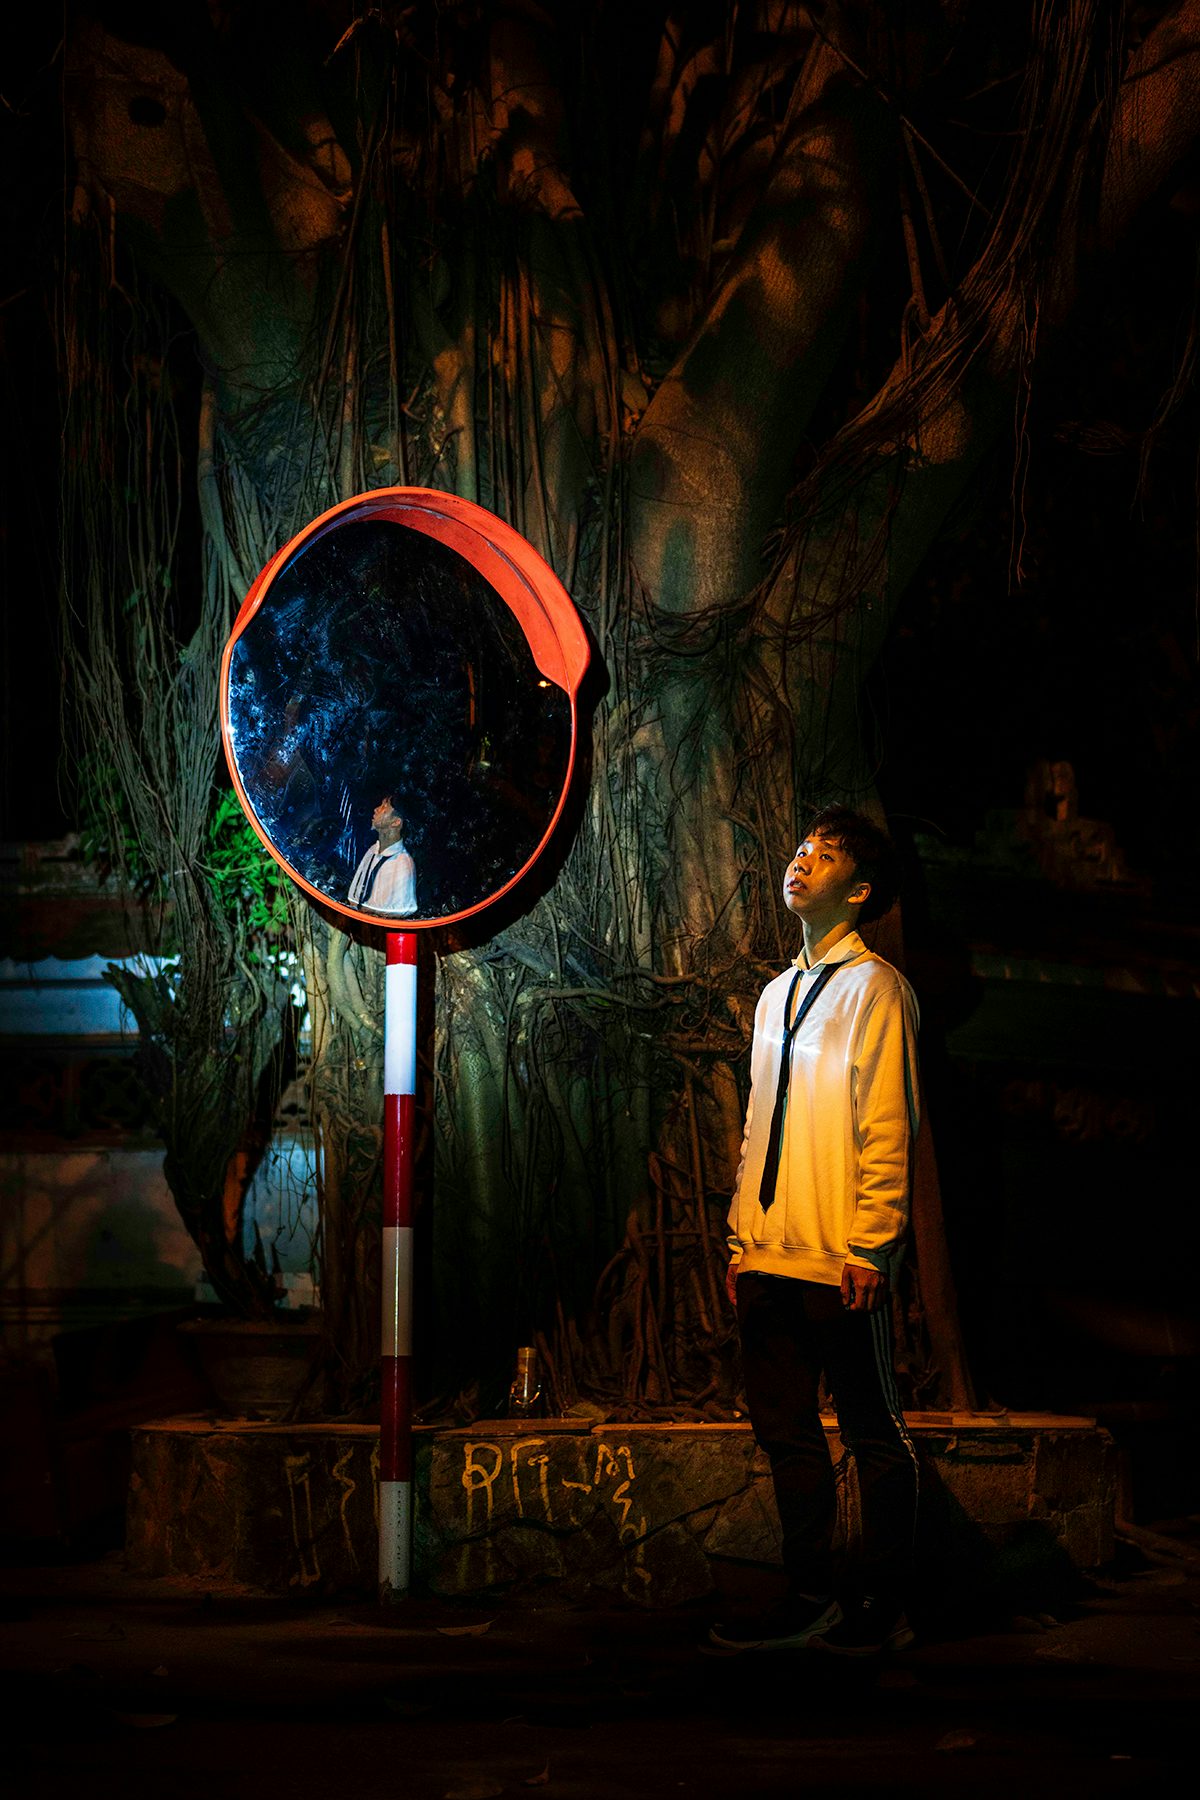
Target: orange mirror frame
(520, 578)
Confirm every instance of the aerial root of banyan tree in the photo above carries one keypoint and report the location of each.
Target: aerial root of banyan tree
(432, 250)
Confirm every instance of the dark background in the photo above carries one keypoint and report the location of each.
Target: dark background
(1063, 1126)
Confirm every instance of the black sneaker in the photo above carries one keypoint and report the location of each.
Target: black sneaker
(867, 1627)
(789, 1626)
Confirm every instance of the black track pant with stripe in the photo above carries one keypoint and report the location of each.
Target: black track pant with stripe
(792, 1332)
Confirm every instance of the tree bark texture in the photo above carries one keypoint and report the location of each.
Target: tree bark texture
(424, 250)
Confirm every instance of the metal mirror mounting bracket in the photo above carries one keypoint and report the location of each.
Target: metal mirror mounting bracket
(406, 646)
(406, 668)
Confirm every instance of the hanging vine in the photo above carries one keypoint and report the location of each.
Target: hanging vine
(442, 256)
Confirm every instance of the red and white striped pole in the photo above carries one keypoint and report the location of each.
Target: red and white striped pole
(395, 1426)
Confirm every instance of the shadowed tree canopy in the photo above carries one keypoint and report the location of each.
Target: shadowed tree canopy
(729, 309)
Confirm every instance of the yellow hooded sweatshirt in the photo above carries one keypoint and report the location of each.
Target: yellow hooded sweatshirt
(842, 1191)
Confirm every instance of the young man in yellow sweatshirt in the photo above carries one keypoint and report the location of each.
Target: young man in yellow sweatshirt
(817, 1229)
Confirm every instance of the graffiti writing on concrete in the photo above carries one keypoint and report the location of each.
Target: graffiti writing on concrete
(543, 1494)
(348, 1485)
(298, 1472)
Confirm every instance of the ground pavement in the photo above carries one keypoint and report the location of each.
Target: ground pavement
(116, 1686)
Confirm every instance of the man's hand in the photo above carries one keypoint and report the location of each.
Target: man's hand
(730, 1281)
(863, 1290)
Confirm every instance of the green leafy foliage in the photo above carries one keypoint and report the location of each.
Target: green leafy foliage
(248, 883)
(107, 835)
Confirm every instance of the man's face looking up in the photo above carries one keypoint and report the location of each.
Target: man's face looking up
(385, 817)
(821, 882)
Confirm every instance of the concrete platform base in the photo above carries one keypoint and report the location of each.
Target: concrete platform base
(653, 1514)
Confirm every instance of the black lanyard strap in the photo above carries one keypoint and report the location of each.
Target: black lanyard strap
(369, 883)
(766, 1192)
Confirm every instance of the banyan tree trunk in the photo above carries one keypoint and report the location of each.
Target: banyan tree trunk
(405, 260)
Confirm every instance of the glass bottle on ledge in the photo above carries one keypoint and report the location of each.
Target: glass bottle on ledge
(525, 1394)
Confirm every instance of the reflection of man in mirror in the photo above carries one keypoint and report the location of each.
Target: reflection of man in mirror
(385, 879)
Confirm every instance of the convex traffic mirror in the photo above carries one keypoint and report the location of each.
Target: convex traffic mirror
(398, 704)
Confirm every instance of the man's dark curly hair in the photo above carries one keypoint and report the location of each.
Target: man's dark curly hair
(872, 850)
